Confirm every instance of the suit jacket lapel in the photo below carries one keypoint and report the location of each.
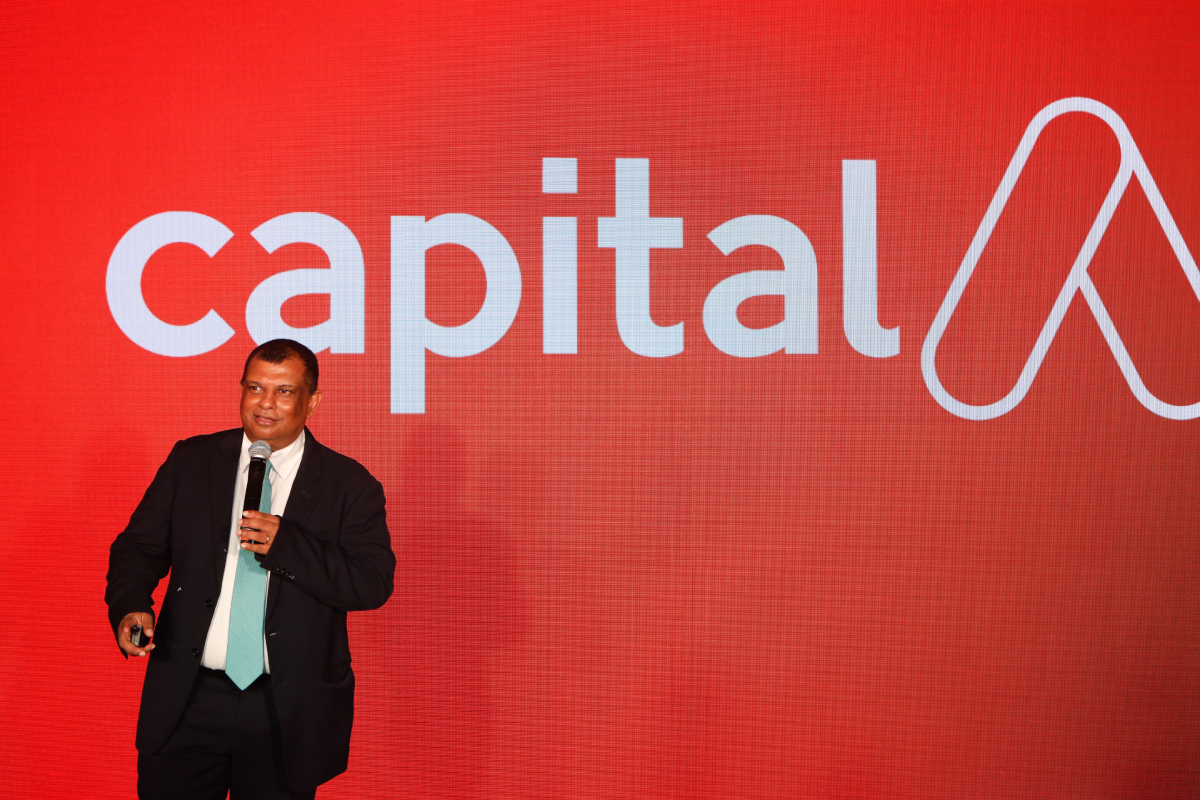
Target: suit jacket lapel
(306, 493)
(222, 480)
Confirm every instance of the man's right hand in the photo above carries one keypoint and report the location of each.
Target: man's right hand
(124, 632)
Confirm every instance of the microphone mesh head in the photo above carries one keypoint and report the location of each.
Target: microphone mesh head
(260, 449)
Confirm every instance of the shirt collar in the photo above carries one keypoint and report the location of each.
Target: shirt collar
(282, 461)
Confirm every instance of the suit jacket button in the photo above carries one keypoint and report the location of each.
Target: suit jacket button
(209, 604)
(195, 653)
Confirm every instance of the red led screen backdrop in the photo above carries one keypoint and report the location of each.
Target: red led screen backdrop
(771, 401)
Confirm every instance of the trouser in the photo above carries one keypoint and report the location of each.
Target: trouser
(227, 740)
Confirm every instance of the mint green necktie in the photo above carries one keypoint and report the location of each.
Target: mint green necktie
(244, 653)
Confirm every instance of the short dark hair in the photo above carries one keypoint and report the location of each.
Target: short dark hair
(277, 351)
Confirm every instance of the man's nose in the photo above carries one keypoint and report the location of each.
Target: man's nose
(267, 400)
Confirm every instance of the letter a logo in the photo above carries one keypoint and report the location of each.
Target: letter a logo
(1078, 280)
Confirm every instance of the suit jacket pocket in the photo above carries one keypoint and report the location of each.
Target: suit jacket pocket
(338, 672)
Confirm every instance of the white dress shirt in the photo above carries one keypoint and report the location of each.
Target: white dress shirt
(285, 464)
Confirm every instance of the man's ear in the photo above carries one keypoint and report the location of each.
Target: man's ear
(314, 400)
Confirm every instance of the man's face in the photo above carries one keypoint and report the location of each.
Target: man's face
(276, 402)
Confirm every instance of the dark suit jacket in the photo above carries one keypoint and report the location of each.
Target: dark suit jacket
(332, 555)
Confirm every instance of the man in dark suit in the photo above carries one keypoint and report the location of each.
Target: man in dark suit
(280, 727)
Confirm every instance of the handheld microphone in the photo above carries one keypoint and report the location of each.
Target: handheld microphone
(260, 451)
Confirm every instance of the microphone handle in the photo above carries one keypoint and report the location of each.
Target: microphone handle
(254, 484)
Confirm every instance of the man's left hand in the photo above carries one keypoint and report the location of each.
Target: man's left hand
(258, 531)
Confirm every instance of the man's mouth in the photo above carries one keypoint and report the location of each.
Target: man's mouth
(264, 420)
